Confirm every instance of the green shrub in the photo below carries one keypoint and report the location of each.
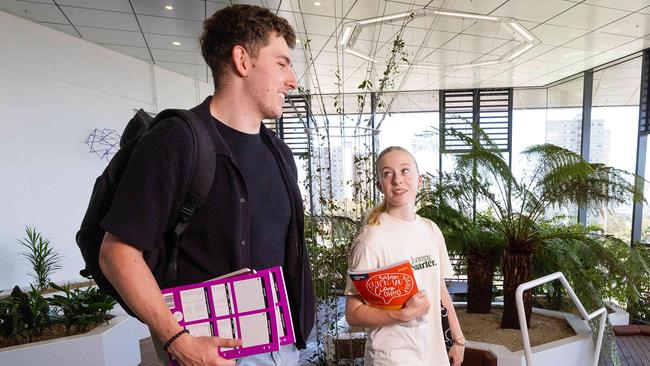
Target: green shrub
(81, 308)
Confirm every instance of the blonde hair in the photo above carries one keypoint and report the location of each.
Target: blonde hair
(373, 216)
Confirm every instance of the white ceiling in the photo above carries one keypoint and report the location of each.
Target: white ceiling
(574, 35)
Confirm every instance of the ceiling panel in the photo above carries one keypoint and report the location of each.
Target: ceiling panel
(112, 36)
(165, 42)
(476, 44)
(566, 55)
(578, 35)
(567, 71)
(531, 53)
(629, 5)
(190, 9)
(139, 52)
(101, 19)
(599, 42)
(631, 47)
(63, 28)
(555, 35)
(478, 7)
(451, 24)
(532, 10)
(637, 25)
(587, 17)
(450, 57)
(110, 5)
(537, 67)
(364, 9)
(35, 11)
(36, 1)
(172, 27)
(494, 30)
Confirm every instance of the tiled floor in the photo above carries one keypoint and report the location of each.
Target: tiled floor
(147, 353)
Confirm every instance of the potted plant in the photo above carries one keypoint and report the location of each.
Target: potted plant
(474, 238)
(37, 328)
(558, 177)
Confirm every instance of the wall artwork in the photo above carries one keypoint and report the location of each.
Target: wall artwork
(104, 142)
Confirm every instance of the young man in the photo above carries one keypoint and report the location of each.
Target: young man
(253, 215)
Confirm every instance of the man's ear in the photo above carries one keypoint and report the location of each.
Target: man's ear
(420, 181)
(241, 60)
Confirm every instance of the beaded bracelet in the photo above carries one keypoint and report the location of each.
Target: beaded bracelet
(173, 338)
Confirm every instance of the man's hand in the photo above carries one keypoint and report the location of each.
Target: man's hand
(415, 307)
(456, 354)
(202, 351)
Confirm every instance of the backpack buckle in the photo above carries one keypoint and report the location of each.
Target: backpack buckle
(186, 213)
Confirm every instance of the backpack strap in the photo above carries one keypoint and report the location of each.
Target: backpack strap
(201, 179)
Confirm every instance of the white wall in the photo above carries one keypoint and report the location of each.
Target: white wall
(54, 90)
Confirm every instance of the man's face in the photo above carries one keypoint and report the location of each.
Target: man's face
(272, 77)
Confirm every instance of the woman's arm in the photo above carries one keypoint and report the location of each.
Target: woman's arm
(358, 314)
(458, 348)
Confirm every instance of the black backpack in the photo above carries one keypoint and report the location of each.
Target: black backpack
(164, 262)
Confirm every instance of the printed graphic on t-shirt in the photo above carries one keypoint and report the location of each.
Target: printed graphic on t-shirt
(423, 262)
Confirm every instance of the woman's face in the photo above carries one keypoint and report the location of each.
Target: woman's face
(399, 179)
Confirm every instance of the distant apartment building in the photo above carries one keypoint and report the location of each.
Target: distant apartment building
(568, 134)
(328, 178)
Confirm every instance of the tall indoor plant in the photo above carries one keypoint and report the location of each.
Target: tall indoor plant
(558, 177)
(473, 237)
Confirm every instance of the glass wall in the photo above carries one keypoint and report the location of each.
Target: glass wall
(614, 132)
(550, 114)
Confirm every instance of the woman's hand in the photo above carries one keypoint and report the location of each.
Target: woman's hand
(417, 306)
(456, 354)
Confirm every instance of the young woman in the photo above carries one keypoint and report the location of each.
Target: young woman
(394, 232)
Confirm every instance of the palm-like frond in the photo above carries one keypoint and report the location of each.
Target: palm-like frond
(42, 257)
(562, 177)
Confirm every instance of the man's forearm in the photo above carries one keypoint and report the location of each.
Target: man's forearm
(125, 267)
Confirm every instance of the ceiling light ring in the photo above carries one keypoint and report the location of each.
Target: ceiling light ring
(527, 40)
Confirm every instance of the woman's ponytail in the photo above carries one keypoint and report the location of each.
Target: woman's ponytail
(373, 216)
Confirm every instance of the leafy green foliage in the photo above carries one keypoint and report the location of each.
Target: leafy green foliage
(593, 262)
(558, 177)
(598, 266)
(26, 315)
(450, 208)
(41, 256)
(328, 242)
(23, 315)
(81, 307)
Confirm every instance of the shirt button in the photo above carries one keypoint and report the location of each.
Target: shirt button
(243, 242)
(242, 200)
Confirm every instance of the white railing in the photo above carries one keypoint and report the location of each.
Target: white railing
(522, 315)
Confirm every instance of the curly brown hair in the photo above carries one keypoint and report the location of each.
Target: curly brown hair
(245, 25)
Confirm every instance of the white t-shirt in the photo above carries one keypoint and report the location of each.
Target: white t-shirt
(419, 342)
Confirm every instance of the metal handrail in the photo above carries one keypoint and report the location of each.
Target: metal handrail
(522, 315)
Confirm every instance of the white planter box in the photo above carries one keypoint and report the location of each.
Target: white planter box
(115, 344)
(619, 316)
(577, 350)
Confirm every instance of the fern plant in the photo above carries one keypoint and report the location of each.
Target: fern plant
(81, 308)
(41, 255)
(473, 238)
(559, 177)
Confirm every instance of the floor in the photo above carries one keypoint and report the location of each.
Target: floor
(147, 353)
(633, 350)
